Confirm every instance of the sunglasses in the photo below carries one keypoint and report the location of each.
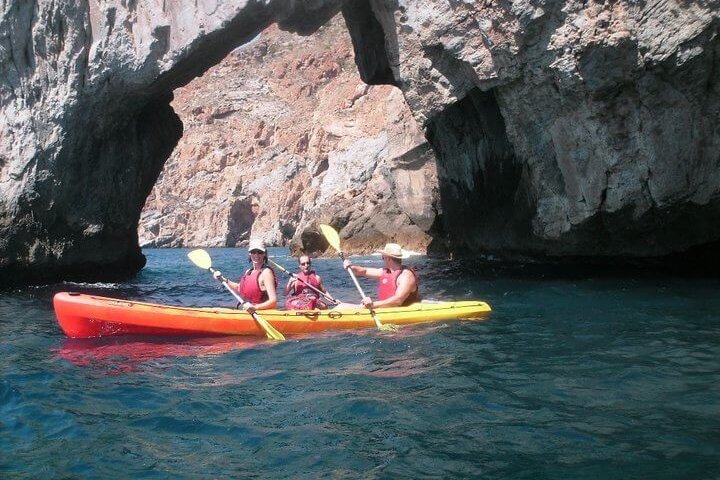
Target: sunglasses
(256, 251)
(305, 263)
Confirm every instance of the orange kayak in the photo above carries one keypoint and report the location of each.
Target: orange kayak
(87, 316)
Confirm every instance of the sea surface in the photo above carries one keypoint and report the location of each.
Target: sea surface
(571, 377)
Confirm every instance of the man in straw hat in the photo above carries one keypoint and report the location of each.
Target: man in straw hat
(397, 284)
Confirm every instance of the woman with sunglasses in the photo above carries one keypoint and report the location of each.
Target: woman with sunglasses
(258, 286)
(300, 295)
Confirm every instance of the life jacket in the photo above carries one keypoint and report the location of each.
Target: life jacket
(305, 301)
(302, 282)
(303, 297)
(387, 285)
(249, 286)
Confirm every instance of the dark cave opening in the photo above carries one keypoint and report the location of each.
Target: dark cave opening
(481, 180)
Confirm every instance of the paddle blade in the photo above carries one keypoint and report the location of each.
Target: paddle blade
(270, 331)
(200, 258)
(331, 236)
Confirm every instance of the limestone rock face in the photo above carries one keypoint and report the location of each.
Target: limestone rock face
(561, 128)
(283, 134)
(85, 120)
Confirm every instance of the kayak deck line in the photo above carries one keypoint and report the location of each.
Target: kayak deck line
(86, 316)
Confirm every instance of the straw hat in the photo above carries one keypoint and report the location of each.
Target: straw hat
(393, 250)
(256, 244)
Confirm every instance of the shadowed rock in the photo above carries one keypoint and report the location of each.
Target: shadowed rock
(562, 128)
(86, 122)
(565, 128)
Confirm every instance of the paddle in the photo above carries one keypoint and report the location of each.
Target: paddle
(334, 240)
(324, 295)
(202, 259)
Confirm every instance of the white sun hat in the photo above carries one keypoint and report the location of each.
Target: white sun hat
(256, 244)
(393, 250)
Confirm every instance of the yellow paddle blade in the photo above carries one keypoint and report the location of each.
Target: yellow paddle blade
(270, 331)
(200, 258)
(331, 236)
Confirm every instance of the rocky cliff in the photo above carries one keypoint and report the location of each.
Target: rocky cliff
(561, 128)
(283, 134)
(86, 122)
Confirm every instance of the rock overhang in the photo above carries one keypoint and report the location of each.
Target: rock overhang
(85, 84)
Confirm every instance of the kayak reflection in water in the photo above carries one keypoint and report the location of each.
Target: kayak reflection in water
(397, 284)
(258, 286)
(302, 288)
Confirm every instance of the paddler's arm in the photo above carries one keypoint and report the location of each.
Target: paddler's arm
(219, 277)
(363, 271)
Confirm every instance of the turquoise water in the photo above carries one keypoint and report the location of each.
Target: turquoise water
(611, 377)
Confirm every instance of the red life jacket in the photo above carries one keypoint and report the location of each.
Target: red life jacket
(301, 285)
(303, 297)
(387, 285)
(304, 301)
(249, 286)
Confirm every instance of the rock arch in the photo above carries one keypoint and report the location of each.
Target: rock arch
(87, 125)
(608, 115)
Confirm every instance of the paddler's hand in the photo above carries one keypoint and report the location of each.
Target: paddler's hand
(367, 302)
(249, 307)
(218, 275)
(347, 263)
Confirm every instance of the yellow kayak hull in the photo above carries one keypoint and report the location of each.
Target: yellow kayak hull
(88, 316)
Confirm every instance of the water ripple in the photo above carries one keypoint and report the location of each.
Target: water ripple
(581, 378)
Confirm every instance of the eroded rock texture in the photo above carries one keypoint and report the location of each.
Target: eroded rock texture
(564, 128)
(283, 134)
(86, 123)
(561, 128)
